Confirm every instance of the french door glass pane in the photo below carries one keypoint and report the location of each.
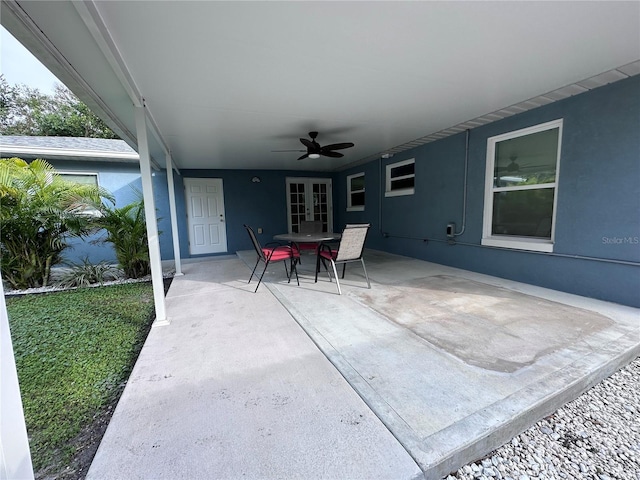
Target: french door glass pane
(523, 213)
(297, 205)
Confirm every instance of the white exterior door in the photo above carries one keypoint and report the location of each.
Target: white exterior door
(309, 199)
(205, 215)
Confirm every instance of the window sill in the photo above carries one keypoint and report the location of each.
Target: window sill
(398, 193)
(356, 209)
(519, 243)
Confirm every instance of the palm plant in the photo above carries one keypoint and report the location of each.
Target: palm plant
(39, 210)
(126, 230)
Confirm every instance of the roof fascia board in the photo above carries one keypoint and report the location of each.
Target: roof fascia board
(63, 152)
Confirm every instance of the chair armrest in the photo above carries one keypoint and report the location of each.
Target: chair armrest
(295, 248)
(325, 246)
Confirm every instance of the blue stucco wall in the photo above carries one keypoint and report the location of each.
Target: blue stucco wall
(598, 212)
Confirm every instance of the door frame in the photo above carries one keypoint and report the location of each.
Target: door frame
(195, 180)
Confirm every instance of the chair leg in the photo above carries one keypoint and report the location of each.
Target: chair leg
(336, 275)
(294, 262)
(365, 273)
(317, 267)
(254, 269)
(344, 268)
(327, 269)
(266, 264)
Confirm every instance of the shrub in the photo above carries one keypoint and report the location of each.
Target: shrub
(126, 230)
(38, 211)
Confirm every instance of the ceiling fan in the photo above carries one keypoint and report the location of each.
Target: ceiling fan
(314, 150)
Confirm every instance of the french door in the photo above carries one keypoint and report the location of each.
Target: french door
(309, 199)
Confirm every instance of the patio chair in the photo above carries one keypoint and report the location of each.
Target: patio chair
(350, 250)
(274, 252)
(306, 226)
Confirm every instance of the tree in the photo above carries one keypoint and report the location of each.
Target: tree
(38, 211)
(26, 111)
(127, 231)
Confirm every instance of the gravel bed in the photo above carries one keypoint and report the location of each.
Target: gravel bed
(595, 437)
(57, 288)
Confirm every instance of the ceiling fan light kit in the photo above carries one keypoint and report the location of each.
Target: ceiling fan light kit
(314, 150)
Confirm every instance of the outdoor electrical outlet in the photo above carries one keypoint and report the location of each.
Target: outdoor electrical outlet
(259, 229)
(451, 228)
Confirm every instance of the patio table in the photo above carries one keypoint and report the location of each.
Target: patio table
(312, 239)
(308, 237)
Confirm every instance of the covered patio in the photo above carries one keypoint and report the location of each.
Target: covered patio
(430, 369)
(434, 365)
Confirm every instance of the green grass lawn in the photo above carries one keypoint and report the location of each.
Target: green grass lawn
(74, 350)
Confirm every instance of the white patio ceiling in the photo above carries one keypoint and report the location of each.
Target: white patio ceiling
(228, 82)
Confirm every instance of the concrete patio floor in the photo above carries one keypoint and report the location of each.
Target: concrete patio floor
(429, 369)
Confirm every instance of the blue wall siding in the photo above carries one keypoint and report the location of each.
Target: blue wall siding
(598, 199)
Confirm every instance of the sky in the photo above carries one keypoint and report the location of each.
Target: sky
(20, 67)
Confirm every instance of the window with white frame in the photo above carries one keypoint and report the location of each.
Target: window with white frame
(80, 177)
(83, 178)
(521, 188)
(355, 192)
(400, 178)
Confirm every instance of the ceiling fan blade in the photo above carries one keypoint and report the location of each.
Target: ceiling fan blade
(338, 146)
(303, 156)
(279, 151)
(306, 143)
(329, 153)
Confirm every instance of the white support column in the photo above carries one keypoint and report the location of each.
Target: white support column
(15, 457)
(174, 216)
(150, 216)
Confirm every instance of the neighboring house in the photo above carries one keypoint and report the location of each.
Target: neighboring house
(562, 211)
